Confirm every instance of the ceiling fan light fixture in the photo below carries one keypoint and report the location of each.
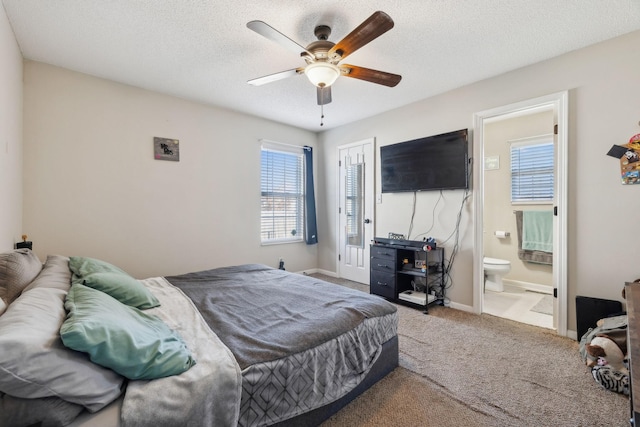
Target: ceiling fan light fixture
(322, 74)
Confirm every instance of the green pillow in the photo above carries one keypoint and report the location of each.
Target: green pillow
(110, 279)
(129, 341)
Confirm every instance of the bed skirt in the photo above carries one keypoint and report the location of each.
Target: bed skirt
(386, 363)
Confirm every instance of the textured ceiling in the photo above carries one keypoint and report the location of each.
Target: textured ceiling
(202, 50)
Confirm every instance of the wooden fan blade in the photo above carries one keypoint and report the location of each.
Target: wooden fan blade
(373, 76)
(372, 28)
(324, 95)
(276, 76)
(272, 34)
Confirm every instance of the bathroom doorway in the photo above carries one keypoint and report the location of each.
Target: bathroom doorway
(531, 289)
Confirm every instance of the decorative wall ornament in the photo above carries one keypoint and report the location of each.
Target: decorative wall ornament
(166, 149)
(629, 155)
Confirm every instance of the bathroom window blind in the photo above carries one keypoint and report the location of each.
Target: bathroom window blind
(281, 193)
(532, 172)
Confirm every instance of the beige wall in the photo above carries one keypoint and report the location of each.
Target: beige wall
(602, 81)
(10, 136)
(498, 209)
(93, 188)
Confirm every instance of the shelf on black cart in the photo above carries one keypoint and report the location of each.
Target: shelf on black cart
(412, 272)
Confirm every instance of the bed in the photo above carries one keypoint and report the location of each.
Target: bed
(244, 345)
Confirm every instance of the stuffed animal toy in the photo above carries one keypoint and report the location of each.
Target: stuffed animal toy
(605, 351)
(609, 366)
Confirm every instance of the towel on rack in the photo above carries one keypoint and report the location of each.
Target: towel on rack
(537, 231)
(536, 257)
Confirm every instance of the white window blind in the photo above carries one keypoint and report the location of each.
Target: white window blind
(532, 171)
(282, 194)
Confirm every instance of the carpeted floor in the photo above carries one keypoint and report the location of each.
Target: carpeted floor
(458, 368)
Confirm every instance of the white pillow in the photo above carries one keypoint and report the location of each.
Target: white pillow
(55, 273)
(34, 363)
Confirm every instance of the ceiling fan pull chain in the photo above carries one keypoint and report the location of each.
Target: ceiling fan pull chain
(322, 115)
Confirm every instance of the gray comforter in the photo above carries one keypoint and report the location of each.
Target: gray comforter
(208, 394)
(282, 313)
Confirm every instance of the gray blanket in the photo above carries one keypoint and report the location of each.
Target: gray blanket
(281, 313)
(208, 394)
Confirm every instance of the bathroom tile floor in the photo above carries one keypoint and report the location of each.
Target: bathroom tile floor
(516, 304)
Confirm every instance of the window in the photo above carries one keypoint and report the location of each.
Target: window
(532, 171)
(354, 204)
(282, 194)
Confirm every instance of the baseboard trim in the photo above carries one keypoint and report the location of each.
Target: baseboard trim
(327, 273)
(461, 307)
(318, 271)
(535, 287)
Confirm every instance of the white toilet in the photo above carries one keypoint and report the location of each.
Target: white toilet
(494, 269)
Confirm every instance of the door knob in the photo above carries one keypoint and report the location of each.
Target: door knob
(367, 221)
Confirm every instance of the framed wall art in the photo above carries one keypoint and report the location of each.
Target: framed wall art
(166, 149)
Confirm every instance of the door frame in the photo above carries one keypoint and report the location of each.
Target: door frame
(369, 193)
(560, 103)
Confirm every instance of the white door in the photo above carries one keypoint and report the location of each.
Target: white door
(355, 209)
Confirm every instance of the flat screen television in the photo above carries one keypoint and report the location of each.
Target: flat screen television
(438, 162)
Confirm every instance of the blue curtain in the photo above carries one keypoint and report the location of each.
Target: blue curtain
(311, 229)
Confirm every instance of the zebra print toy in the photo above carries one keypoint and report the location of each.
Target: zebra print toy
(611, 379)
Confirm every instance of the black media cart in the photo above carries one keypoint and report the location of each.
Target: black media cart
(403, 271)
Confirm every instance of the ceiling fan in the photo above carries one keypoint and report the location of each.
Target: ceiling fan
(323, 57)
